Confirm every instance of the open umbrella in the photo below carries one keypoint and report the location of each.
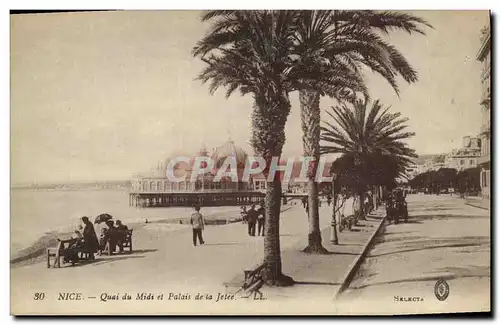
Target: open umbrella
(103, 218)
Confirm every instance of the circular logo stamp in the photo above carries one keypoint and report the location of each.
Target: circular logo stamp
(441, 290)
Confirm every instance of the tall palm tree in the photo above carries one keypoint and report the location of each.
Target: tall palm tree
(329, 43)
(372, 137)
(249, 51)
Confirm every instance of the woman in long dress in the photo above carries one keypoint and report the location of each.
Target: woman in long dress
(89, 237)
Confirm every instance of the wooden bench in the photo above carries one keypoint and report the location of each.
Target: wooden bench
(127, 242)
(64, 249)
(253, 282)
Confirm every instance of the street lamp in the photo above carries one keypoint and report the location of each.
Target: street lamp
(333, 229)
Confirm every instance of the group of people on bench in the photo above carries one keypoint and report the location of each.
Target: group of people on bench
(85, 239)
(113, 236)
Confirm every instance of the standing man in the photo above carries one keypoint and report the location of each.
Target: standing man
(252, 220)
(198, 225)
(261, 220)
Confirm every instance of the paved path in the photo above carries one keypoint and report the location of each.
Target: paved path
(319, 277)
(445, 239)
(162, 262)
(478, 202)
(166, 262)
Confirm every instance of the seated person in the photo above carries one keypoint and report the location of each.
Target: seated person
(120, 226)
(77, 239)
(103, 239)
(110, 237)
(121, 231)
(77, 242)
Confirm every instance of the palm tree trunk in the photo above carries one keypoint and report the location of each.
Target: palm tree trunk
(361, 194)
(268, 136)
(310, 116)
(333, 230)
(272, 273)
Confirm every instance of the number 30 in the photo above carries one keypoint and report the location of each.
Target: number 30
(39, 296)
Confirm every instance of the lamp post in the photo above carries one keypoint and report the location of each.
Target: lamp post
(333, 229)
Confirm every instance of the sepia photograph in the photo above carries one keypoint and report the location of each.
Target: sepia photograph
(250, 162)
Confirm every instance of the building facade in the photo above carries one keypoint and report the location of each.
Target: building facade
(156, 189)
(465, 157)
(484, 55)
(157, 181)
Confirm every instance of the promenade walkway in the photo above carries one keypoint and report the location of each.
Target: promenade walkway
(168, 263)
(478, 202)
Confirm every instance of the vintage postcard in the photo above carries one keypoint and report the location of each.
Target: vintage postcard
(262, 162)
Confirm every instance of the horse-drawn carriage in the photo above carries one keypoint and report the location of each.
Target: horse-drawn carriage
(396, 208)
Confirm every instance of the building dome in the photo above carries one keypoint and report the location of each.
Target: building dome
(229, 149)
(201, 153)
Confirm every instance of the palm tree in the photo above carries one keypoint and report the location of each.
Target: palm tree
(372, 137)
(249, 51)
(335, 43)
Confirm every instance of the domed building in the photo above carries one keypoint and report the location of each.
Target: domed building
(229, 150)
(155, 188)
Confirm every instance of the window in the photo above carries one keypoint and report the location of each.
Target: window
(471, 162)
(462, 161)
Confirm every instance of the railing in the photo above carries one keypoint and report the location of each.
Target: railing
(179, 191)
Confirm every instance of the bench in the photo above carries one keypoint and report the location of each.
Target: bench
(64, 249)
(126, 243)
(252, 283)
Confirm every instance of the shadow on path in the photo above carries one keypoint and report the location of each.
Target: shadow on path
(421, 279)
(316, 283)
(223, 244)
(447, 216)
(115, 258)
(431, 247)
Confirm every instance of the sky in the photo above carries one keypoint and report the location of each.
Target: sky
(102, 96)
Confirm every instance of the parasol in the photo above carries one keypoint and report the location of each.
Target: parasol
(103, 218)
